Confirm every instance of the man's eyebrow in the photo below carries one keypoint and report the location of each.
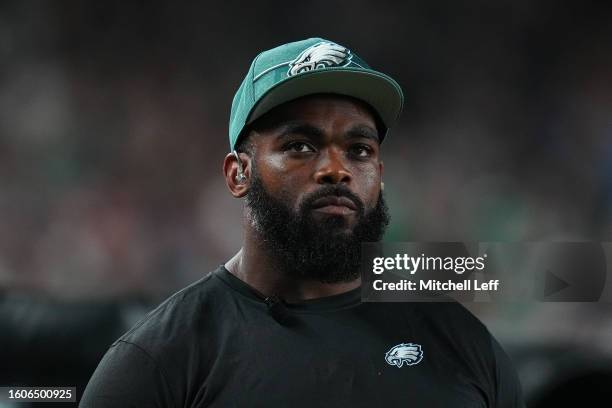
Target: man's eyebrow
(305, 129)
(300, 128)
(363, 131)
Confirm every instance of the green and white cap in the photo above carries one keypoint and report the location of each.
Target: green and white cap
(309, 67)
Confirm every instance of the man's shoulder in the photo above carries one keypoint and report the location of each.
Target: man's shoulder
(145, 366)
(180, 317)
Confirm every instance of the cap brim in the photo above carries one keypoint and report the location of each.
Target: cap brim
(378, 90)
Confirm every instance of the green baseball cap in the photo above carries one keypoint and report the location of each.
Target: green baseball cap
(309, 67)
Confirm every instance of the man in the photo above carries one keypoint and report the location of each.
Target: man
(282, 323)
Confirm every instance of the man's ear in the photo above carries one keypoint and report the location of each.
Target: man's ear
(237, 185)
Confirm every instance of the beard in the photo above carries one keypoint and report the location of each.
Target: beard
(326, 250)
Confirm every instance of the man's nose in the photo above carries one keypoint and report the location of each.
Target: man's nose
(332, 168)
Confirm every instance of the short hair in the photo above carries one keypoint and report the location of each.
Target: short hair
(245, 142)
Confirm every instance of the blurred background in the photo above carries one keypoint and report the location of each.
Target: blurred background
(113, 128)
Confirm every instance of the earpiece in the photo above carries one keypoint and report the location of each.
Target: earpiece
(240, 177)
(382, 186)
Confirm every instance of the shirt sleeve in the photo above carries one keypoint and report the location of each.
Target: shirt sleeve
(127, 376)
(508, 392)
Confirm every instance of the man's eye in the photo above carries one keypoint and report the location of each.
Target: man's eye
(299, 147)
(361, 150)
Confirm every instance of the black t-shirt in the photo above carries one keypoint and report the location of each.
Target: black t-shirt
(217, 343)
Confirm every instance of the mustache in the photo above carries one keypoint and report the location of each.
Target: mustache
(331, 190)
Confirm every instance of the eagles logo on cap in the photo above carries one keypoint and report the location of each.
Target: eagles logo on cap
(308, 67)
(321, 55)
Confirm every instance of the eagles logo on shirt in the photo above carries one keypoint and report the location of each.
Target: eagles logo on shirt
(408, 353)
(319, 56)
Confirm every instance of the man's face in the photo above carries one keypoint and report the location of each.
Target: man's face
(315, 185)
(320, 141)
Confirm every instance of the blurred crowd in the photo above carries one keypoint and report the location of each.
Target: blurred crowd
(113, 128)
(114, 121)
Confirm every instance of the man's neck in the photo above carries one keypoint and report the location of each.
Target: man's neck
(253, 265)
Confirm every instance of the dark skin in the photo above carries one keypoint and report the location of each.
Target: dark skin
(299, 147)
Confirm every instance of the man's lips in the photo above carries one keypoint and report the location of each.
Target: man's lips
(337, 205)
